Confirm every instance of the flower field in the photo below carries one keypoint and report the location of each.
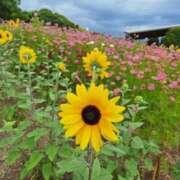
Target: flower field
(81, 105)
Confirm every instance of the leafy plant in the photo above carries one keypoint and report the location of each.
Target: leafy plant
(172, 37)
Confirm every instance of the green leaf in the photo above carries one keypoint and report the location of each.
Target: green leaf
(47, 170)
(82, 172)
(111, 166)
(118, 150)
(105, 175)
(37, 133)
(135, 125)
(71, 165)
(52, 95)
(121, 178)
(110, 149)
(137, 143)
(152, 147)
(107, 151)
(23, 173)
(25, 106)
(142, 108)
(33, 161)
(131, 166)
(148, 164)
(51, 151)
(96, 169)
(13, 156)
(66, 150)
(28, 143)
(176, 170)
(39, 101)
(24, 124)
(6, 141)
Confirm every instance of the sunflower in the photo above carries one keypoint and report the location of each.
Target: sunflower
(96, 59)
(89, 116)
(27, 55)
(14, 24)
(61, 66)
(9, 35)
(3, 38)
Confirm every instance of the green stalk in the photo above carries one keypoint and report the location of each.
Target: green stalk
(30, 85)
(91, 156)
(94, 75)
(55, 98)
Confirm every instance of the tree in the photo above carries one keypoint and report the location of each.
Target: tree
(172, 37)
(8, 8)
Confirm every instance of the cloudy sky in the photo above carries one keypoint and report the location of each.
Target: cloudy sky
(113, 16)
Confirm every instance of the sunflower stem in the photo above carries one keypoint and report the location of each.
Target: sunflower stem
(30, 85)
(94, 74)
(91, 156)
(55, 98)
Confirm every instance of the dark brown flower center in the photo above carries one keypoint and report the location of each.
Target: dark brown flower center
(91, 115)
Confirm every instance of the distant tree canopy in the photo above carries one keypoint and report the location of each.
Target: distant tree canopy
(172, 37)
(48, 16)
(9, 9)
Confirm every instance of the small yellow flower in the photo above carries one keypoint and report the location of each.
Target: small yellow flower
(14, 24)
(98, 60)
(3, 37)
(111, 45)
(171, 47)
(9, 35)
(27, 55)
(90, 42)
(89, 115)
(61, 66)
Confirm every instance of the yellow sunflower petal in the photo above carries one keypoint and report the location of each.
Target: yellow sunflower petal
(71, 119)
(96, 140)
(73, 99)
(107, 131)
(118, 118)
(114, 100)
(73, 129)
(81, 90)
(68, 109)
(86, 134)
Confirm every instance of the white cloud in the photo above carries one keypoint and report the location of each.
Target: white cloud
(113, 16)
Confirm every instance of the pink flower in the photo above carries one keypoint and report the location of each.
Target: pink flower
(173, 85)
(130, 63)
(116, 56)
(151, 87)
(110, 74)
(173, 64)
(77, 62)
(116, 92)
(133, 72)
(140, 75)
(161, 76)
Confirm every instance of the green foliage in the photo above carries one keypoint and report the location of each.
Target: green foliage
(48, 16)
(8, 8)
(176, 170)
(172, 37)
(34, 135)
